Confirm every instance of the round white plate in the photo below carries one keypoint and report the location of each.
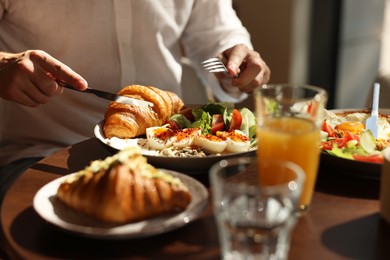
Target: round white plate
(53, 211)
(190, 165)
(352, 167)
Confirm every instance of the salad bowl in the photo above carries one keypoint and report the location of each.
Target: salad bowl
(369, 169)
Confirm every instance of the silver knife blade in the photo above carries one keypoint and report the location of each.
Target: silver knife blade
(372, 121)
(108, 95)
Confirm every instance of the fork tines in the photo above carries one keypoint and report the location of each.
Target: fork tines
(214, 65)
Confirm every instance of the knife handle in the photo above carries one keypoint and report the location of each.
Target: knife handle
(66, 85)
(99, 93)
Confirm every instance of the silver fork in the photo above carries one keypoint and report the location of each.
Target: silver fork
(215, 65)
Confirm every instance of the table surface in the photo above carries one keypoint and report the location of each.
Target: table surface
(344, 221)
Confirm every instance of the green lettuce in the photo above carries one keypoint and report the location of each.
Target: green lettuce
(248, 125)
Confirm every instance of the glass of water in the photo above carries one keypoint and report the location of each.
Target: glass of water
(254, 217)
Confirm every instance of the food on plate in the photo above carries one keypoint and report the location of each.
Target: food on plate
(214, 128)
(211, 143)
(351, 127)
(161, 137)
(127, 121)
(344, 135)
(124, 188)
(185, 137)
(236, 141)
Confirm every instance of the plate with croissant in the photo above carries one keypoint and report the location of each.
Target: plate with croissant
(121, 196)
(174, 136)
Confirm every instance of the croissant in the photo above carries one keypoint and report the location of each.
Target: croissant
(127, 121)
(124, 188)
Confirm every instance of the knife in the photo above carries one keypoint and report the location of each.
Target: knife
(107, 95)
(372, 121)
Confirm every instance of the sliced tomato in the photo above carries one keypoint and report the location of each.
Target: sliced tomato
(187, 112)
(217, 123)
(375, 158)
(310, 107)
(235, 122)
(173, 125)
(328, 145)
(328, 129)
(350, 136)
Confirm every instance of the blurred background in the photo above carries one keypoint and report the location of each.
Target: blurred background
(339, 45)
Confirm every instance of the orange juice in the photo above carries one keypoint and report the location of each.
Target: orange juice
(293, 139)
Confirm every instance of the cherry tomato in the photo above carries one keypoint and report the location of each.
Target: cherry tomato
(217, 123)
(236, 120)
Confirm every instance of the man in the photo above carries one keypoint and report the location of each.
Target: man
(107, 45)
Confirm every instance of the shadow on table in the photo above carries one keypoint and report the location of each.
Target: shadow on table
(82, 154)
(50, 168)
(355, 239)
(80, 157)
(34, 234)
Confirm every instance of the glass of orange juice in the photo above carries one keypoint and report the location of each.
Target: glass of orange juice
(289, 117)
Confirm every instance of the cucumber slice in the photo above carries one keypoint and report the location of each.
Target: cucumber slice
(324, 136)
(367, 142)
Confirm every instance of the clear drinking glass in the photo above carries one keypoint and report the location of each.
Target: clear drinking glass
(289, 118)
(255, 218)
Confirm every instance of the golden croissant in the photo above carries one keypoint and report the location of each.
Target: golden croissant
(124, 188)
(127, 121)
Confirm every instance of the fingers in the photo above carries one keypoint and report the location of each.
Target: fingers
(38, 86)
(33, 94)
(44, 87)
(235, 58)
(255, 74)
(28, 78)
(58, 70)
(253, 71)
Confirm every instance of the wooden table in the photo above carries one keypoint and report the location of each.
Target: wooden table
(344, 222)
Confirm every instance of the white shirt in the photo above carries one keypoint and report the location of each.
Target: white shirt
(111, 43)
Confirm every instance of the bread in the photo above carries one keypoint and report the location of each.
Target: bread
(127, 121)
(123, 188)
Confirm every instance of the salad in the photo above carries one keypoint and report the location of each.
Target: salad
(350, 142)
(214, 117)
(213, 128)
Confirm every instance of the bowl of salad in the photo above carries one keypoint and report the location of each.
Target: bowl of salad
(347, 146)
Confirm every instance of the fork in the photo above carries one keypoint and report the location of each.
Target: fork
(372, 121)
(215, 65)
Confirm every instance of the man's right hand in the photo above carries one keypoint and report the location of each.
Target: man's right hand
(28, 77)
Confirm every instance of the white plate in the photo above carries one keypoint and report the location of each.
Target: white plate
(352, 167)
(53, 211)
(190, 165)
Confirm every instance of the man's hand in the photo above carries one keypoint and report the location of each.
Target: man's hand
(28, 77)
(252, 70)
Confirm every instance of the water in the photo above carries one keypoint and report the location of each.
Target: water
(253, 228)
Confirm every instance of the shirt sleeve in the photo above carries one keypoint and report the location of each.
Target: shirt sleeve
(212, 28)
